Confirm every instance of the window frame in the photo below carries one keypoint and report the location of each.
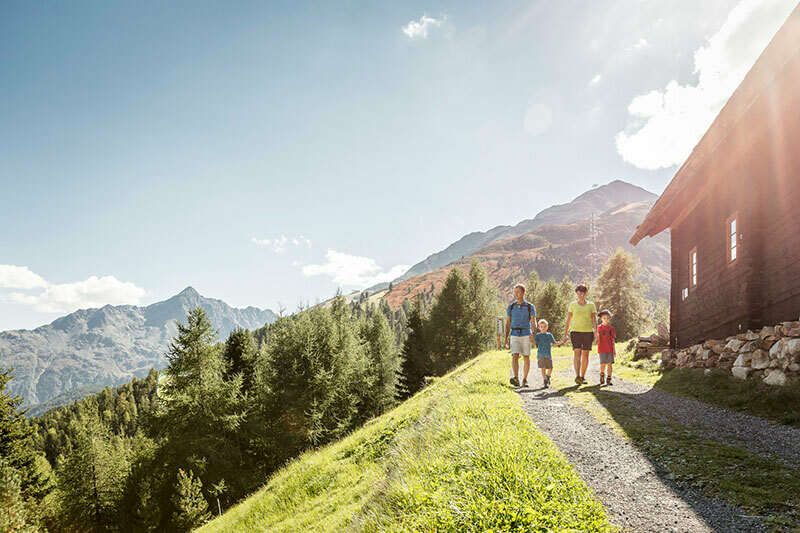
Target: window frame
(694, 276)
(732, 241)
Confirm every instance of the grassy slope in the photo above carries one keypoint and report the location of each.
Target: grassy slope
(459, 456)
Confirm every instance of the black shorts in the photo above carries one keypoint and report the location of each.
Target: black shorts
(581, 340)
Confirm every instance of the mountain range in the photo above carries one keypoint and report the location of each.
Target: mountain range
(597, 200)
(572, 239)
(92, 348)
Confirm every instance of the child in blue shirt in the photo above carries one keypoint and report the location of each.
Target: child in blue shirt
(544, 340)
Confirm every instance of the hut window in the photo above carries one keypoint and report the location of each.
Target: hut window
(732, 230)
(693, 268)
(684, 293)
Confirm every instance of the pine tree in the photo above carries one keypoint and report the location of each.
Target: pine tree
(619, 290)
(17, 444)
(384, 364)
(449, 328)
(191, 508)
(201, 412)
(416, 354)
(481, 303)
(239, 353)
(192, 355)
(91, 477)
(310, 381)
(15, 514)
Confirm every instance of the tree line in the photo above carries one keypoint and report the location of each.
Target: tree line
(167, 451)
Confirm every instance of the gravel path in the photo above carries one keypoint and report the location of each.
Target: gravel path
(636, 494)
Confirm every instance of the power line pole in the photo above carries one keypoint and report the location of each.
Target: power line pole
(593, 246)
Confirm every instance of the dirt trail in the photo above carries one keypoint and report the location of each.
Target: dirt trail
(637, 495)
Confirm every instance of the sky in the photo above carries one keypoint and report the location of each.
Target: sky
(268, 153)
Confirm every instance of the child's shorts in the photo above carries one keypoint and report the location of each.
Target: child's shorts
(544, 362)
(606, 358)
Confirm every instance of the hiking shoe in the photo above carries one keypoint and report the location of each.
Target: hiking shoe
(514, 382)
(583, 380)
(608, 381)
(524, 382)
(602, 378)
(578, 380)
(546, 382)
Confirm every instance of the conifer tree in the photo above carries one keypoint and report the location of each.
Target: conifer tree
(17, 444)
(310, 380)
(201, 411)
(15, 514)
(384, 365)
(91, 477)
(481, 303)
(191, 508)
(619, 290)
(239, 354)
(449, 328)
(416, 358)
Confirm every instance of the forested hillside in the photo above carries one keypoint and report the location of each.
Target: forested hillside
(165, 451)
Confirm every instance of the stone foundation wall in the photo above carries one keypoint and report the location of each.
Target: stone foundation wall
(771, 354)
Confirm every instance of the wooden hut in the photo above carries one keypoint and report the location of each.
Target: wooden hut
(733, 208)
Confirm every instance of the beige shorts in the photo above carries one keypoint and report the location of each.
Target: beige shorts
(521, 345)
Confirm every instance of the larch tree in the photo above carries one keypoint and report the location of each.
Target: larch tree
(618, 289)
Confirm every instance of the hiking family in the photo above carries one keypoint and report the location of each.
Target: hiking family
(581, 329)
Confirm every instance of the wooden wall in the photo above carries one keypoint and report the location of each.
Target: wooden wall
(754, 172)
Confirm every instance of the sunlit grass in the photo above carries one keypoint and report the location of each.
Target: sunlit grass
(459, 456)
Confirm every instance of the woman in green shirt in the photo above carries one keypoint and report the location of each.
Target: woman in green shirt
(581, 330)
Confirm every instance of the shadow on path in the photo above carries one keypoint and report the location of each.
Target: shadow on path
(669, 472)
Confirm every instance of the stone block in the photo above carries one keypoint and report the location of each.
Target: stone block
(740, 372)
(776, 378)
(743, 359)
(759, 360)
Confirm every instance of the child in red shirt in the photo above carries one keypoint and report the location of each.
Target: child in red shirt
(606, 336)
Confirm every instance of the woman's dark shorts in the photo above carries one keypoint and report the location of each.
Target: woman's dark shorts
(581, 340)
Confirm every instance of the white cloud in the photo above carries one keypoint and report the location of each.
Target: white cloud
(280, 244)
(67, 297)
(353, 271)
(665, 125)
(418, 29)
(641, 43)
(19, 277)
(597, 78)
(538, 118)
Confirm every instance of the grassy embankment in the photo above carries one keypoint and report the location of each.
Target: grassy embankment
(762, 485)
(459, 456)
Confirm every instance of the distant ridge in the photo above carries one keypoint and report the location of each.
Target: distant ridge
(92, 348)
(595, 200)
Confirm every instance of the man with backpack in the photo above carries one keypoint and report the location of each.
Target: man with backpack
(520, 324)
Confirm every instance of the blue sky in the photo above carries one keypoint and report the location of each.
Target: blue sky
(267, 153)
